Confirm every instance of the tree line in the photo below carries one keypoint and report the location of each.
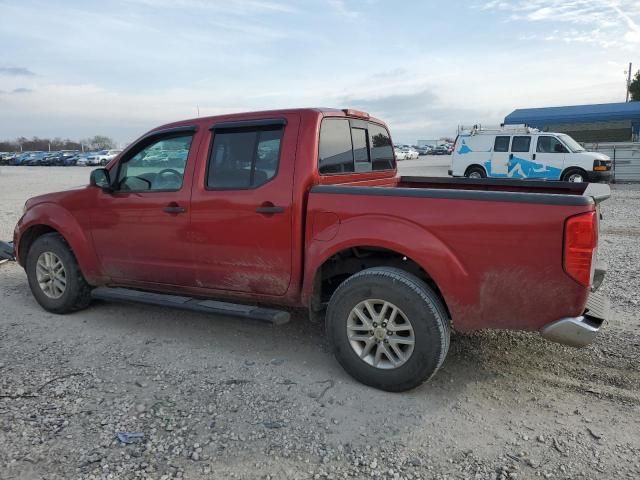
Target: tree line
(24, 144)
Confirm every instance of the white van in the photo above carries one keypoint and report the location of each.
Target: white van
(523, 152)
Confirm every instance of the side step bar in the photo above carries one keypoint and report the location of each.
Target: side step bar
(270, 315)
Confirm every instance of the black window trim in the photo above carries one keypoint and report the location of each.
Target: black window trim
(259, 125)
(355, 123)
(263, 122)
(143, 142)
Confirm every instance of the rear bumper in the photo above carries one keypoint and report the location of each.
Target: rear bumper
(580, 331)
(7, 252)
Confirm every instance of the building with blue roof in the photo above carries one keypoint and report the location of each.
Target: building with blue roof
(605, 122)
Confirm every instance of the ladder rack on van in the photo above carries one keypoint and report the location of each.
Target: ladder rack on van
(502, 128)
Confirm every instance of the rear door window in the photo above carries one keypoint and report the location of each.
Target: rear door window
(501, 144)
(521, 144)
(243, 158)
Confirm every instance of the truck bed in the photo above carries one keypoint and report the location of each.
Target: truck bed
(493, 247)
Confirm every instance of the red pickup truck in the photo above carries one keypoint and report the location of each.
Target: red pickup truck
(304, 208)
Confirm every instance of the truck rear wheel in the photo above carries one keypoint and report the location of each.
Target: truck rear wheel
(388, 329)
(54, 276)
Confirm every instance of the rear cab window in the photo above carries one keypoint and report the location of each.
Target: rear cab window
(348, 146)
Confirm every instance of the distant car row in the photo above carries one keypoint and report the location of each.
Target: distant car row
(62, 158)
(411, 152)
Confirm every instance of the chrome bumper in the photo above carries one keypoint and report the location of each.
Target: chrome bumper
(580, 331)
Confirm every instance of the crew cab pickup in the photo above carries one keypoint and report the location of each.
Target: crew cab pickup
(239, 213)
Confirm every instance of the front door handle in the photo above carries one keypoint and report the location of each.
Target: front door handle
(268, 208)
(174, 209)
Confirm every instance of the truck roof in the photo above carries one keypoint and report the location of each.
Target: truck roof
(324, 111)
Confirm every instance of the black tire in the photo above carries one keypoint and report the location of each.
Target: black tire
(477, 170)
(421, 306)
(77, 293)
(571, 173)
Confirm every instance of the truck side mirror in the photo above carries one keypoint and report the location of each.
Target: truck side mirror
(100, 178)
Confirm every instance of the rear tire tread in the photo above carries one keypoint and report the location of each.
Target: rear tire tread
(428, 296)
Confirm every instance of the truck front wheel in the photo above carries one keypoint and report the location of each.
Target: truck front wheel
(54, 276)
(388, 329)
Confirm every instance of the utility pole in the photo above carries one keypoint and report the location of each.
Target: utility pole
(628, 81)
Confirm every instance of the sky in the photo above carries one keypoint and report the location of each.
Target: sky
(121, 67)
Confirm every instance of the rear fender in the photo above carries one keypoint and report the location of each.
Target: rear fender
(401, 236)
(56, 217)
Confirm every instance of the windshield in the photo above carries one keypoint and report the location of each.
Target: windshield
(574, 146)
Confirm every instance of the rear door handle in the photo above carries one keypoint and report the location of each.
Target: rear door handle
(268, 208)
(173, 208)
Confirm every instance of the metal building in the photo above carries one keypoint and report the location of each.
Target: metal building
(606, 122)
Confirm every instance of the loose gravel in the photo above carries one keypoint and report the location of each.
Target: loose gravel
(216, 397)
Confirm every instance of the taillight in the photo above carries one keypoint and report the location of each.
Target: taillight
(580, 243)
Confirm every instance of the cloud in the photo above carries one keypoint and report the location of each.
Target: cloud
(341, 8)
(16, 72)
(21, 90)
(598, 22)
(632, 37)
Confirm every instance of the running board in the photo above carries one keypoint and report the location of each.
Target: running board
(270, 315)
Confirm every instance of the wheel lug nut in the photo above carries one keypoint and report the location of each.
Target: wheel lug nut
(389, 332)
(386, 340)
(384, 324)
(375, 324)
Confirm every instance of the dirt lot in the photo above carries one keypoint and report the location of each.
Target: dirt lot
(221, 398)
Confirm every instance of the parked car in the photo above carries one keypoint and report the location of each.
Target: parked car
(35, 159)
(8, 158)
(424, 150)
(523, 152)
(87, 159)
(410, 153)
(391, 261)
(399, 153)
(440, 150)
(60, 158)
(102, 157)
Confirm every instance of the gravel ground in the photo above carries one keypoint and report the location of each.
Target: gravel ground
(222, 398)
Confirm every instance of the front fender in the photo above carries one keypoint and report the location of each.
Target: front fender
(401, 236)
(58, 218)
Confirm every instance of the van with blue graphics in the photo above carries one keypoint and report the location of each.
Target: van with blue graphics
(523, 152)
